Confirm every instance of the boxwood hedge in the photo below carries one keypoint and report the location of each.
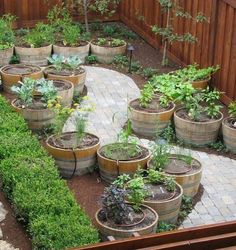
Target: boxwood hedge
(39, 196)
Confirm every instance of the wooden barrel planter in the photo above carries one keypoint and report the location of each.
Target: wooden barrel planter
(36, 56)
(80, 51)
(12, 74)
(196, 133)
(188, 176)
(110, 169)
(5, 56)
(36, 118)
(65, 90)
(147, 123)
(167, 208)
(73, 160)
(78, 78)
(146, 226)
(107, 54)
(229, 133)
(201, 84)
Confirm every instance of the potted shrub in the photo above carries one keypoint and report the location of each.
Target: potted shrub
(36, 45)
(199, 122)
(199, 78)
(7, 39)
(67, 69)
(12, 74)
(64, 89)
(186, 170)
(229, 128)
(74, 152)
(69, 38)
(34, 108)
(120, 219)
(105, 49)
(150, 113)
(122, 157)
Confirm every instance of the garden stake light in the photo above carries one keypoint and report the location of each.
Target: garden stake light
(130, 50)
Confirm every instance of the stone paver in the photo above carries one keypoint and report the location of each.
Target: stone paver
(110, 91)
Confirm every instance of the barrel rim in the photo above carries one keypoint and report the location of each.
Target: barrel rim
(63, 76)
(63, 80)
(19, 64)
(226, 126)
(107, 48)
(76, 149)
(42, 47)
(181, 175)
(151, 113)
(128, 161)
(194, 122)
(127, 231)
(167, 201)
(32, 110)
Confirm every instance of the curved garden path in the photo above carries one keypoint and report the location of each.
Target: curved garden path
(110, 91)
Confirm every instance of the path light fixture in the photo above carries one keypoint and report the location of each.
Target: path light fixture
(130, 50)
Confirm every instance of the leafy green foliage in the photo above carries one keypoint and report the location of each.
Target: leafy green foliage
(218, 146)
(164, 227)
(40, 198)
(149, 72)
(232, 109)
(168, 133)
(46, 89)
(42, 34)
(186, 207)
(109, 30)
(147, 94)
(7, 37)
(71, 35)
(91, 59)
(121, 61)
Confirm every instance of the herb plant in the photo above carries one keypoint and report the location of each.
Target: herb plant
(7, 37)
(121, 61)
(91, 59)
(47, 90)
(232, 109)
(71, 35)
(147, 94)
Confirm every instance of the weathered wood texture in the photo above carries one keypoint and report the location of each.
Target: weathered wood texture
(216, 39)
(30, 12)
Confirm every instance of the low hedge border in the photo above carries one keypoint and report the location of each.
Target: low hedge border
(40, 198)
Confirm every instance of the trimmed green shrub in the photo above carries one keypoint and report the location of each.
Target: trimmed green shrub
(39, 196)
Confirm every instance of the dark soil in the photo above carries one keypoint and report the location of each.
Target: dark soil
(231, 122)
(153, 107)
(13, 231)
(61, 85)
(122, 152)
(36, 105)
(69, 141)
(20, 69)
(64, 72)
(203, 117)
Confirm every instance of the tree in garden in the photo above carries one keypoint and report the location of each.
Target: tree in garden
(173, 9)
(101, 6)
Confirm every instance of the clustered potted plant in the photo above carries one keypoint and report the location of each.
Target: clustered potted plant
(186, 170)
(12, 74)
(7, 39)
(69, 39)
(229, 128)
(122, 157)
(105, 49)
(36, 45)
(34, 107)
(121, 219)
(67, 69)
(151, 113)
(199, 121)
(74, 152)
(199, 78)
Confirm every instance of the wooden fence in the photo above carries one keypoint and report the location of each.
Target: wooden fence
(216, 39)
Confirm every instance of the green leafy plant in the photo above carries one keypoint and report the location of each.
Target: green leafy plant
(46, 89)
(149, 72)
(61, 63)
(232, 109)
(25, 91)
(147, 94)
(109, 30)
(121, 61)
(136, 66)
(41, 35)
(91, 59)
(186, 207)
(117, 42)
(168, 133)
(218, 146)
(71, 35)
(101, 41)
(7, 37)
(164, 227)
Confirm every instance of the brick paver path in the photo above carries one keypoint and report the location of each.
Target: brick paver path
(110, 91)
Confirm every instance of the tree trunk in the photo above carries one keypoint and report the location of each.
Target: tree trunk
(86, 15)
